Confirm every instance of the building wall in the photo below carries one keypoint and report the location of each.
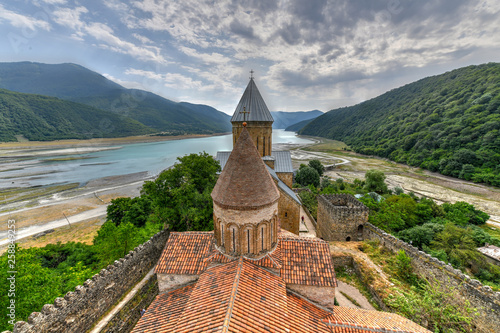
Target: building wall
(289, 213)
(167, 282)
(286, 177)
(481, 297)
(79, 310)
(324, 296)
(248, 232)
(341, 217)
(261, 133)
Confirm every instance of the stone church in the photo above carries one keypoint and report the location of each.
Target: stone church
(249, 275)
(254, 112)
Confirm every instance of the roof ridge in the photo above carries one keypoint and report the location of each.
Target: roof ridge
(232, 298)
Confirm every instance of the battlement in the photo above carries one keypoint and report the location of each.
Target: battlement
(341, 217)
(481, 297)
(79, 310)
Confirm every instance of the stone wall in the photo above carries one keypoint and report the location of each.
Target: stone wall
(286, 177)
(480, 297)
(125, 319)
(289, 213)
(341, 217)
(79, 310)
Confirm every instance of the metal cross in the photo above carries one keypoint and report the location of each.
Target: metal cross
(251, 74)
(244, 113)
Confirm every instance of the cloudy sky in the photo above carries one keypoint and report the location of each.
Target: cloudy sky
(306, 54)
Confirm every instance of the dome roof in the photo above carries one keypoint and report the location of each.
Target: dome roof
(245, 182)
(254, 104)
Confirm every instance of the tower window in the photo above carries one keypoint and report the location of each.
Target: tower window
(248, 241)
(286, 214)
(262, 238)
(234, 242)
(257, 143)
(264, 146)
(222, 234)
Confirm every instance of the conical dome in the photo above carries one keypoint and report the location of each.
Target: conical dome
(245, 182)
(253, 103)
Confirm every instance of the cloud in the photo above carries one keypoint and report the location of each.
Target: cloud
(22, 21)
(70, 17)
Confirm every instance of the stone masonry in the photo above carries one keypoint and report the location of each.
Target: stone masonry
(81, 309)
(341, 217)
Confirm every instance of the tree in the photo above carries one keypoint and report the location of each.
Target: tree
(458, 245)
(316, 165)
(375, 182)
(307, 176)
(181, 195)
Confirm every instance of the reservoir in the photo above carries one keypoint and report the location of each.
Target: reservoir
(66, 166)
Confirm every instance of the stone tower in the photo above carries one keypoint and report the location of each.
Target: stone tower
(245, 202)
(253, 110)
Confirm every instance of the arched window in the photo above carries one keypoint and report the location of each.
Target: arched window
(269, 145)
(257, 143)
(234, 240)
(221, 234)
(348, 239)
(262, 238)
(264, 146)
(248, 240)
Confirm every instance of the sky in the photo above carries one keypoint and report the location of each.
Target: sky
(306, 54)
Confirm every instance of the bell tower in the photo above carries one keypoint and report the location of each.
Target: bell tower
(245, 201)
(253, 110)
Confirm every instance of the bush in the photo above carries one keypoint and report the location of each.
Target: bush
(375, 182)
(307, 176)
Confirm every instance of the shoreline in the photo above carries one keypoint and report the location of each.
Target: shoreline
(100, 141)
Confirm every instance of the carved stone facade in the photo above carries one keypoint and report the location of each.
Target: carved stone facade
(341, 217)
(246, 232)
(261, 133)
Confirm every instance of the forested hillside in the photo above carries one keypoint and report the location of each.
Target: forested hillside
(447, 123)
(43, 118)
(78, 84)
(284, 119)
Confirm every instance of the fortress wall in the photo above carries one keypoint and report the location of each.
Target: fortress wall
(339, 216)
(481, 297)
(79, 310)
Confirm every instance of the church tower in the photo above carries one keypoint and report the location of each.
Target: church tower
(245, 201)
(253, 110)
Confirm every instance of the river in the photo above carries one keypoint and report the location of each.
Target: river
(81, 165)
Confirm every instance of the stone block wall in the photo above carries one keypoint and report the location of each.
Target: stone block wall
(286, 177)
(125, 319)
(341, 217)
(481, 297)
(289, 213)
(78, 311)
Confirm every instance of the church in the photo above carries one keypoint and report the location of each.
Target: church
(250, 274)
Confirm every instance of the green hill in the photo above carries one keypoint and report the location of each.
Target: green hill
(298, 126)
(447, 123)
(79, 84)
(284, 119)
(43, 118)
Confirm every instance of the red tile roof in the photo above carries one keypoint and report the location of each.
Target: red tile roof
(164, 312)
(245, 182)
(306, 261)
(185, 252)
(304, 316)
(371, 320)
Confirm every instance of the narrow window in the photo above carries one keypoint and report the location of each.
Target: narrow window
(272, 227)
(248, 240)
(257, 143)
(264, 147)
(269, 145)
(286, 214)
(262, 238)
(234, 242)
(222, 234)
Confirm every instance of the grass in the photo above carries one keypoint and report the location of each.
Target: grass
(493, 231)
(327, 146)
(352, 300)
(347, 275)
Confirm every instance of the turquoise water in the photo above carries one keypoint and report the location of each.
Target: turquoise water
(150, 157)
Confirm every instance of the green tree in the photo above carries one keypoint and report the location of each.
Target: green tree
(316, 165)
(375, 182)
(181, 195)
(458, 245)
(307, 176)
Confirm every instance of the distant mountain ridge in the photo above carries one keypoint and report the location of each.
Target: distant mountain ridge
(448, 123)
(78, 84)
(43, 118)
(284, 119)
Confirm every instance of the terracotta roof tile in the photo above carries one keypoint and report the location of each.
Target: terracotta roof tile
(164, 311)
(306, 261)
(185, 252)
(371, 320)
(304, 316)
(245, 182)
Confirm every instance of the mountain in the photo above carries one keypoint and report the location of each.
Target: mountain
(298, 126)
(448, 123)
(284, 119)
(41, 118)
(79, 84)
